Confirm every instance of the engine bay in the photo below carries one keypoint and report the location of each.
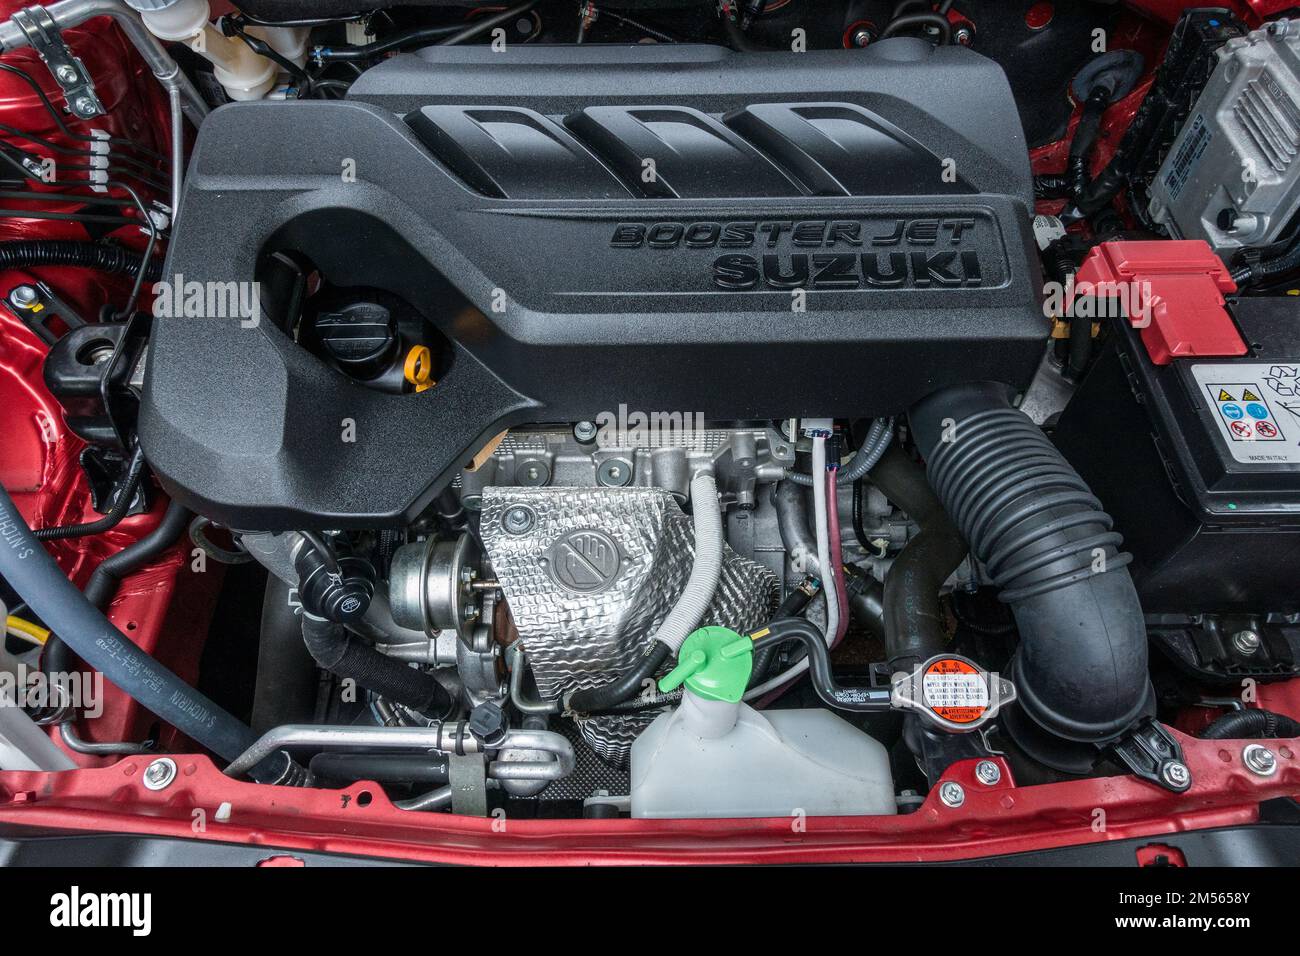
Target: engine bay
(627, 419)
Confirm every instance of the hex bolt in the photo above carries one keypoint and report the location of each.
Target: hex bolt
(1176, 775)
(518, 520)
(952, 794)
(24, 296)
(584, 431)
(66, 74)
(159, 774)
(1259, 760)
(83, 106)
(861, 37)
(988, 772)
(1247, 641)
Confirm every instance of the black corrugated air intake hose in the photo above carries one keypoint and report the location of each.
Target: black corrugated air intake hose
(346, 656)
(1081, 666)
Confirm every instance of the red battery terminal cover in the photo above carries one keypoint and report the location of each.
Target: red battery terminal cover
(1171, 290)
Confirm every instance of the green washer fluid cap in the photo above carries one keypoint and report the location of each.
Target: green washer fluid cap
(714, 663)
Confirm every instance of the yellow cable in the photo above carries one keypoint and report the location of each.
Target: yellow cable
(26, 629)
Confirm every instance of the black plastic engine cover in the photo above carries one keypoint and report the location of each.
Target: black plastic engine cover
(826, 233)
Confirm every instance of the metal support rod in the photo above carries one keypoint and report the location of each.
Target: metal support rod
(448, 737)
(178, 151)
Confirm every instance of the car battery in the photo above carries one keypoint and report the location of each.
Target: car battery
(1187, 428)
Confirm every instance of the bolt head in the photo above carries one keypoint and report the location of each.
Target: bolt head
(24, 296)
(584, 431)
(518, 520)
(1246, 641)
(1259, 760)
(952, 794)
(988, 772)
(862, 37)
(159, 774)
(1176, 774)
(66, 74)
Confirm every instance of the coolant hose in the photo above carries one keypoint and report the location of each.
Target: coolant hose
(1251, 724)
(346, 656)
(103, 582)
(914, 620)
(818, 662)
(1081, 666)
(286, 682)
(31, 572)
(685, 615)
(114, 260)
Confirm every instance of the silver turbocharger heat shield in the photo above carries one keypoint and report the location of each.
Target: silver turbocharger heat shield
(589, 574)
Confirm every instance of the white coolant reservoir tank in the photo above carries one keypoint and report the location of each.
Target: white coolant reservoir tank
(715, 756)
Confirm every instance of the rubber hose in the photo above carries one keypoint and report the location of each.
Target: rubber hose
(121, 505)
(794, 604)
(1083, 140)
(103, 582)
(31, 572)
(867, 605)
(347, 657)
(858, 700)
(284, 690)
(1251, 725)
(114, 260)
(791, 506)
(593, 699)
(1081, 665)
(873, 446)
(914, 622)
(55, 658)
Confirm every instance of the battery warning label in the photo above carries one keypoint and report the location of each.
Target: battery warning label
(1257, 407)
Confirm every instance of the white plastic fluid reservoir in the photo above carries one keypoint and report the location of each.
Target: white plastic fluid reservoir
(715, 756)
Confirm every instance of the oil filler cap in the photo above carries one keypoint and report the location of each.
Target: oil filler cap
(951, 692)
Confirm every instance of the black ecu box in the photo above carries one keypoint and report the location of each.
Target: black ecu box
(1198, 459)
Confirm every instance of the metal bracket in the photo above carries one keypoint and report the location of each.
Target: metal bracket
(68, 70)
(467, 777)
(38, 306)
(1151, 752)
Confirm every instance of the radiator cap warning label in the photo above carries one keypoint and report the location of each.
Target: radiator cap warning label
(1257, 409)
